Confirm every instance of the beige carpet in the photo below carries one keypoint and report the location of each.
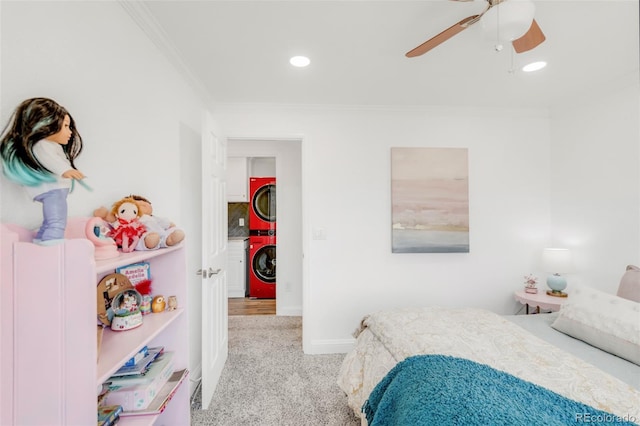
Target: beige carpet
(268, 380)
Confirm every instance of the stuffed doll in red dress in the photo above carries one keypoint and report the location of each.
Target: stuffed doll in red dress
(127, 228)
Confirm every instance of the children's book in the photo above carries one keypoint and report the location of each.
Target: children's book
(140, 391)
(136, 272)
(109, 414)
(137, 357)
(141, 366)
(163, 397)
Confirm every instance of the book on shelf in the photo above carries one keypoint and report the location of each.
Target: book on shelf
(137, 357)
(102, 393)
(136, 272)
(100, 333)
(141, 366)
(137, 392)
(163, 397)
(108, 415)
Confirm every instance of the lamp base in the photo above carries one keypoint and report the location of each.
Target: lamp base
(556, 293)
(556, 283)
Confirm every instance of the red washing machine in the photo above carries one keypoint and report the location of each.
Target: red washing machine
(262, 203)
(262, 264)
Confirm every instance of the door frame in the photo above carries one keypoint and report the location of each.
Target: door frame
(270, 150)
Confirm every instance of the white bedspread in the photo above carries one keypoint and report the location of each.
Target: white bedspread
(484, 337)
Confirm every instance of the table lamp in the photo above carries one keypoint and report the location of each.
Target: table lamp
(557, 261)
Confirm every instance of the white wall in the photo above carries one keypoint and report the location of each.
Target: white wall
(595, 193)
(262, 166)
(127, 101)
(139, 119)
(346, 191)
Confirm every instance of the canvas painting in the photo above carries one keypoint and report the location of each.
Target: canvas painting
(430, 200)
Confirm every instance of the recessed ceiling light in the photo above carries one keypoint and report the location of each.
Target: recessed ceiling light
(299, 61)
(534, 66)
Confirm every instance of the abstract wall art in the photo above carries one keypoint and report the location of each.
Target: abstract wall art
(430, 200)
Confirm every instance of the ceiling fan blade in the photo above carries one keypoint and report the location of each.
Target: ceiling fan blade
(530, 39)
(442, 37)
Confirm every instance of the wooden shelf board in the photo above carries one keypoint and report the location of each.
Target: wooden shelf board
(109, 265)
(119, 346)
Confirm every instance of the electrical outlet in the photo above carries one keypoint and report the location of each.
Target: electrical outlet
(241, 222)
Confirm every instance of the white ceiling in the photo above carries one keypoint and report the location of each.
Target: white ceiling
(238, 51)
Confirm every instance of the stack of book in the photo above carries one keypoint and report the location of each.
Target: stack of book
(145, 384)
(138, 365)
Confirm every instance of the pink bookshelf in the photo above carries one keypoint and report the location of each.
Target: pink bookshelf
(48, 350)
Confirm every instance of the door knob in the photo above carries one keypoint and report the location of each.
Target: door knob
(208, 273)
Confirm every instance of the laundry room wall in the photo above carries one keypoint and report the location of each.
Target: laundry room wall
(238, 213)
(262, 167)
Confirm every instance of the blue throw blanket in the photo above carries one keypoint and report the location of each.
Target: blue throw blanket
(444, 390)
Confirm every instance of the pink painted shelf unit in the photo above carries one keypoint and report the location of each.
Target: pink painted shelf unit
(51, 371)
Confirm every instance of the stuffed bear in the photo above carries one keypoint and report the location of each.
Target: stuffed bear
(160, 233)
(127, 229)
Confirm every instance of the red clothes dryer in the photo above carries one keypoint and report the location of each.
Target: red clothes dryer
(262, 203)
(262, 265)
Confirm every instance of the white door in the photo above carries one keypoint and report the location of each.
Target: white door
(214, 255)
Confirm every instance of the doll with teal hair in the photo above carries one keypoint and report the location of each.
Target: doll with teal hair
(38, 147)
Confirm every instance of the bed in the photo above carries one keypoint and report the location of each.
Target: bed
(441, 365)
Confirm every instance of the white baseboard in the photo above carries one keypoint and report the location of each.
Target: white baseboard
(334, 346)
(289, 311)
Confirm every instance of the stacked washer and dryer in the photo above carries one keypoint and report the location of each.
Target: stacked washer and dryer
(262, 237)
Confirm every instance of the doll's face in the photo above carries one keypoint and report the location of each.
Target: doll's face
(64, 134)
(127, 211)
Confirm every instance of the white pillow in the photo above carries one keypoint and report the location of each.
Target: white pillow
(603, 320)
(630, 284)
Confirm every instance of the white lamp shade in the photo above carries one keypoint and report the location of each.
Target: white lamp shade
(513, 16)
(557, 260)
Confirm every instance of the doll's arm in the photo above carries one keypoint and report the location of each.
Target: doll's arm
(104, 213)
(163, 222)
(73, 174)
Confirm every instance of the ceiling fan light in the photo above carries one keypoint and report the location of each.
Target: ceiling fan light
(299, 61)
(514, 17)
(534, 66)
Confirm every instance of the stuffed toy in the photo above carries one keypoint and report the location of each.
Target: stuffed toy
(127, 228)
(161, 232)
(96, 231)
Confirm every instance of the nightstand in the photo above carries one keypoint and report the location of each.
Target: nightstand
(540, 300)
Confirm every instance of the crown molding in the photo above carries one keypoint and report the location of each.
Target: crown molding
(145, 20)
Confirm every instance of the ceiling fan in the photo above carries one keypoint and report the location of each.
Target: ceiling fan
(509, 19)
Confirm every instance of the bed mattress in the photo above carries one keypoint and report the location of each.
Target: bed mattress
(389, 337)
(540, 326)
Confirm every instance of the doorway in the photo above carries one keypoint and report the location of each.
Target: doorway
(287, 156)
